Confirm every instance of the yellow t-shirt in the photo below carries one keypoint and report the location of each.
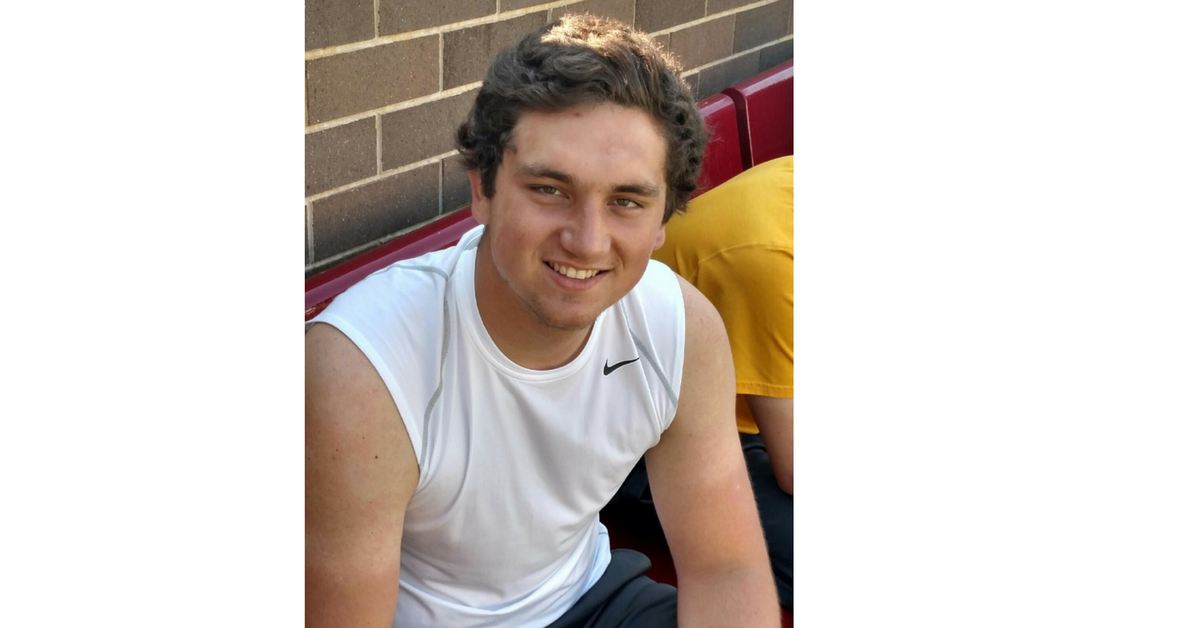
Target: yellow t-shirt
(735, 244)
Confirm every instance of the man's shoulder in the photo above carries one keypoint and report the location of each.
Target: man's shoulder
(396, 318)
(405, 290)
(431, 270)
(419, 278)
(339, 374)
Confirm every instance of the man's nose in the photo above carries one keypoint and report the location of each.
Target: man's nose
(586, 236)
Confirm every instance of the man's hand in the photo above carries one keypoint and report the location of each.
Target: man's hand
(359, 473)
(774, 419)
(702, 491)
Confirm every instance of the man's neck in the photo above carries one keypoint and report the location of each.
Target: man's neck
(518, 333)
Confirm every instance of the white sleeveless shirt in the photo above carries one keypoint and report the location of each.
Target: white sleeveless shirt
(503, 528)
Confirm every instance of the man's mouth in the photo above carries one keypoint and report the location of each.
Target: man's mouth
(573, 273)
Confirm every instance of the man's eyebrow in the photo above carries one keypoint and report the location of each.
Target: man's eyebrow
(639, 189)
(544, 172)
(537, 170)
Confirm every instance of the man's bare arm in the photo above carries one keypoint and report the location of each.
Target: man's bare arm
(774, 418)
(359, 473)
(702, 491)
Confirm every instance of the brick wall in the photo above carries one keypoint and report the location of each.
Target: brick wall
(388, 81)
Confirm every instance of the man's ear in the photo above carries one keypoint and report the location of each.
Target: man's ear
(481, 208)
(662, 237)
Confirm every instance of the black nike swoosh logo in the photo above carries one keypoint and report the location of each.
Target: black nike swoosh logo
(608, 369)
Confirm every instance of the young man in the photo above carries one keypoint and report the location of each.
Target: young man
(469, 412)
(735, 245)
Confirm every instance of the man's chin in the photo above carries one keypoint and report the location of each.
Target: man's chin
(567, 322)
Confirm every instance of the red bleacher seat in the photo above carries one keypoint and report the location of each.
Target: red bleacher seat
(764, 106)
(723, 155)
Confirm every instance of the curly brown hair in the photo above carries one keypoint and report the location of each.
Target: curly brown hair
(578, 60)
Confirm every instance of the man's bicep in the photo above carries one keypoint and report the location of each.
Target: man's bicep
(697, 475)
(360, 471)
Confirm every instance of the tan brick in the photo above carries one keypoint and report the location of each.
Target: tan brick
(510, 5)
(657, 15)
(456, 189)
(726, 74)
(703, 43)
(367, 213)
(340, 155)
(664, 42)
(775, 54)
(401, 16)
(716, 6)
(348, 83)
(425, 130)
(336, 22)
(469, 51)
(759, 26)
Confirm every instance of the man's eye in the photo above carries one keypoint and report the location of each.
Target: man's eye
(628, 202)
(546, 189)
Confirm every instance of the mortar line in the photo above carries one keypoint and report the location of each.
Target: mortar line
(379, 177)
(441, 190)
(713, 17)
(710, 64)
(378, 144)
(432, 30)
(377, 18)
(308, 220)
(442, 61)
(407, 104)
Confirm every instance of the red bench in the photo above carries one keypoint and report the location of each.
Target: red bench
(723, 153)
(764, 108)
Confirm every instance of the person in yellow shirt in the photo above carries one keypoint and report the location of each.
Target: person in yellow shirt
(735, 244)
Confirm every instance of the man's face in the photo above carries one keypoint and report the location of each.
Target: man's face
(577, 211)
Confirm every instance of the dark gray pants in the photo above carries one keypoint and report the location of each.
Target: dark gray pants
(623, 598)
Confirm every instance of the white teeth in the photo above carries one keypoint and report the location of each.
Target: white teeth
(573, 273)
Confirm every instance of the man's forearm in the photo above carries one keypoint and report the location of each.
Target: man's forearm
(774, 419)
(742, 596)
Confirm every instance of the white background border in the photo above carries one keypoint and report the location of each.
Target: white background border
(996, 316)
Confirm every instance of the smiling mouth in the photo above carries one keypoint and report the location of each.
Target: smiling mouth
(573, 273)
